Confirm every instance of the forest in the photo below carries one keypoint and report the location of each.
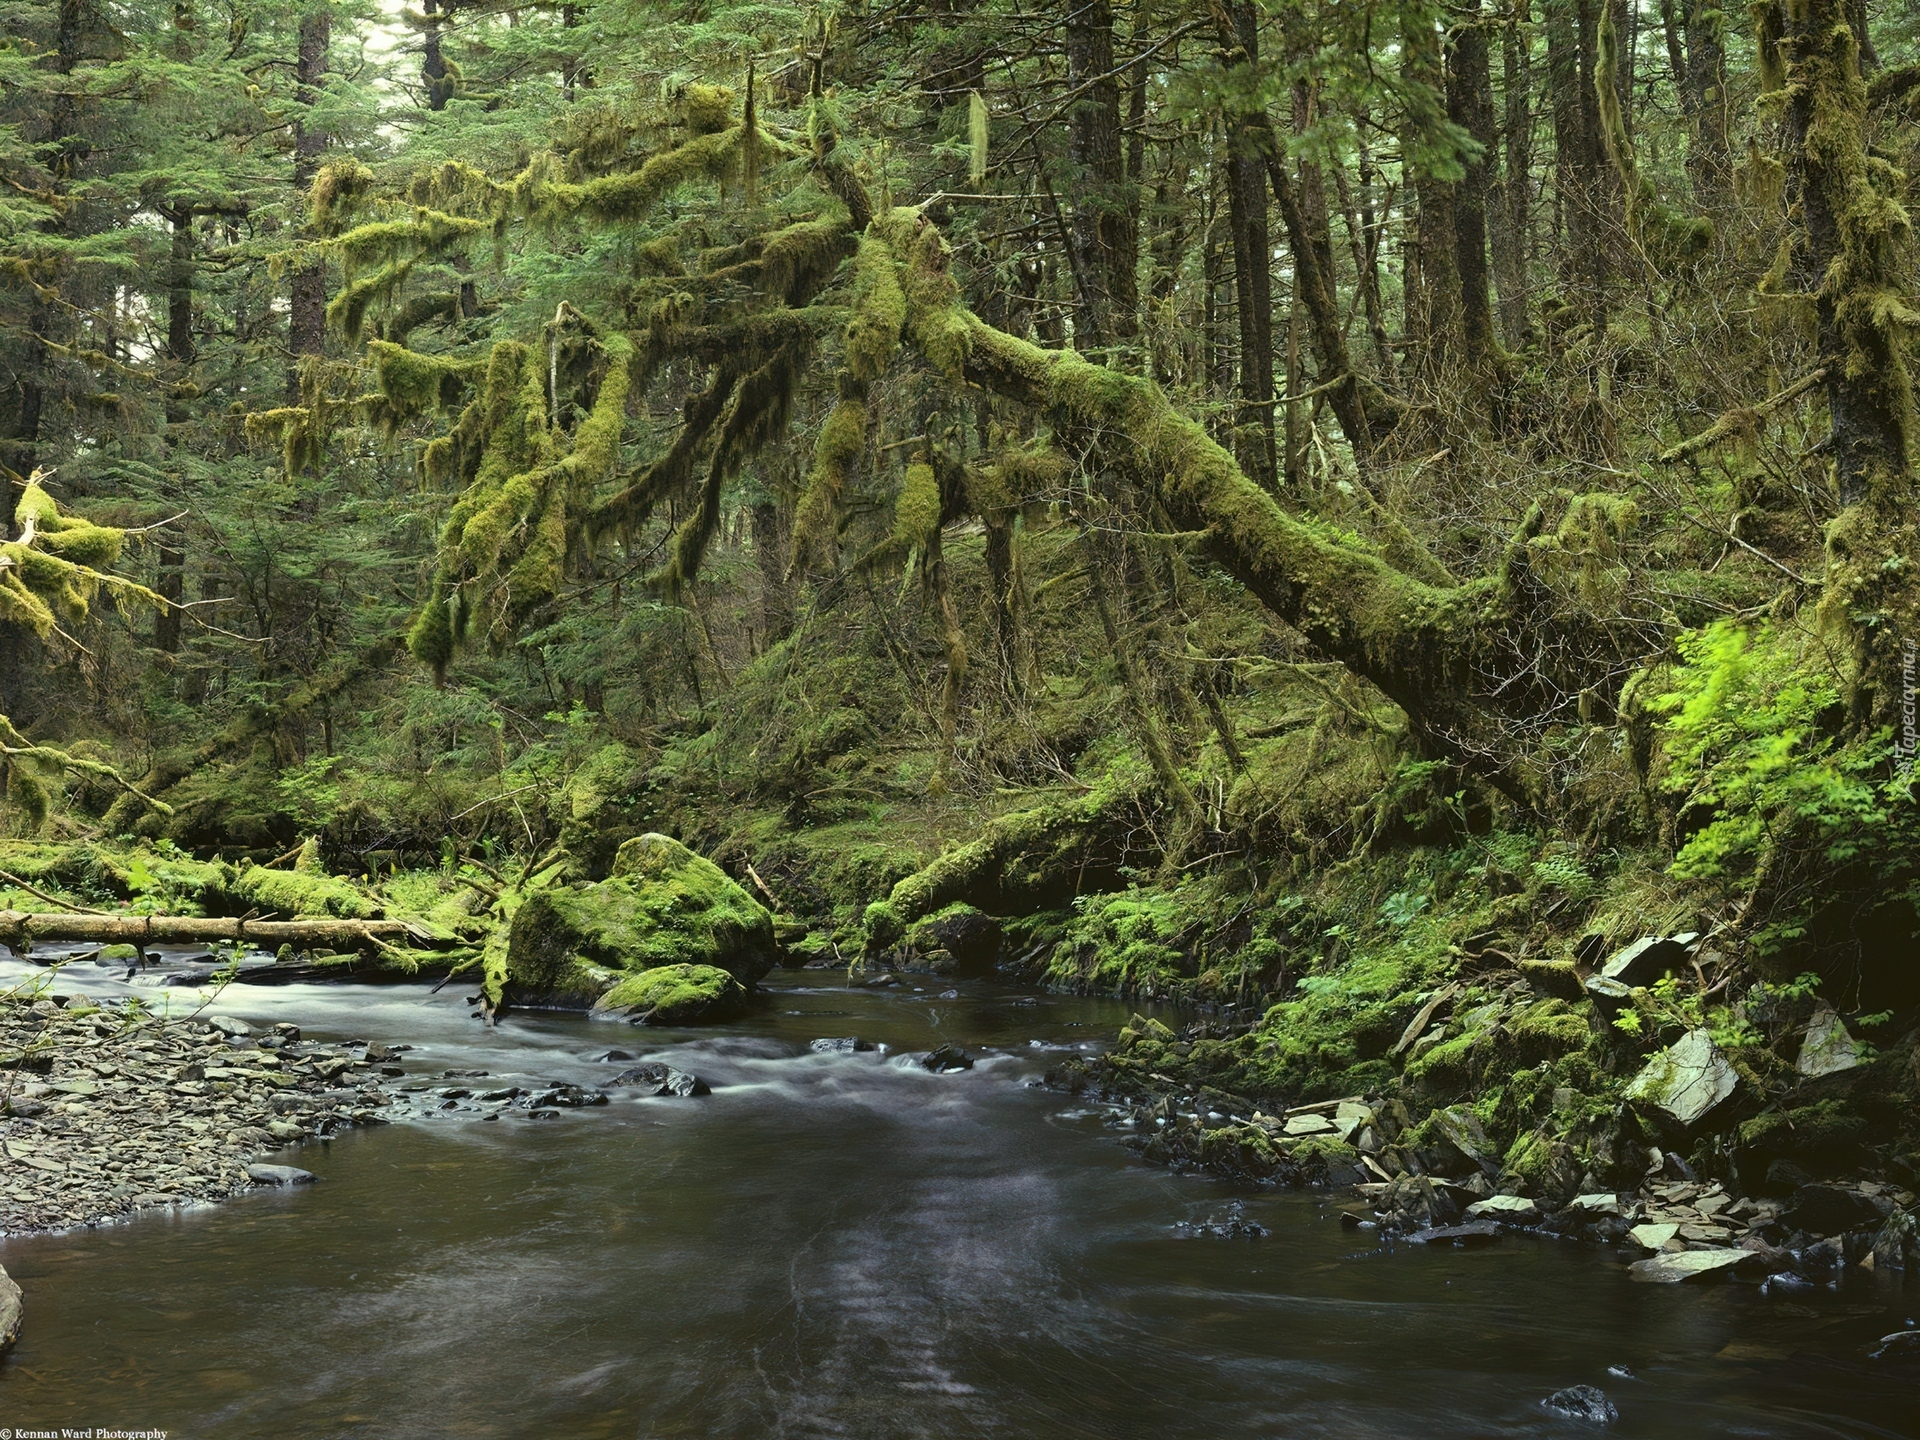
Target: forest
(1378, 533)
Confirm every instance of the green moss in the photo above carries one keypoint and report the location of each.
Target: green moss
(676, 995)
(293, 894)
(663, 905)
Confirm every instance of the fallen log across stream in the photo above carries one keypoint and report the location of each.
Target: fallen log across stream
(21, 930)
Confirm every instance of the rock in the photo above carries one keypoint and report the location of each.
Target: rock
(1600, 1202)
(280, 1175)
(1901, 1347)
(228, 1026)
(1685, 1080)
(845, 1045)
(1480, 1232)
(378, 1054)
(286, 1131)
(1350, 1118)
(1646, 960)
(618, 1055)
(947, 1058)
(676, 995)
(9, 1312)
(1309, 1125)
(1609, 997)
(970, 938)
(115, 954)
(1821, 1209)
(1653, 1236)
(1671, 1269)
(1465, 1133)
(654, 1078)
(1828, 1048)
(1514, 1209)
(663, 906)
(1583, 1402)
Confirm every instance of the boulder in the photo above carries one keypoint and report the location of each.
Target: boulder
(1827, 1048)
(662, 906)
(1654, 1235)
(9, 1312)
(675, 995)
(1647, 960)
(1583, 1402)
(1514, 1209)
(1480, 1232)
(228, 1026)
(840, 1045)
(1671, 1269)
(1685, 1080)
(1821, 1209)
(948, 1057)
(1309, 1124)
(969, 937)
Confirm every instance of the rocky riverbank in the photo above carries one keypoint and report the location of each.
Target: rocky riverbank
(107, 1111)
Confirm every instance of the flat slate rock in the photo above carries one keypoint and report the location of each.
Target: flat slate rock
(1681, 1265)
(1516, 1208)
(280, 1175)
(1481, 1232)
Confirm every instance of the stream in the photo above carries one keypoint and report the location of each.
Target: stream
(847, 1245)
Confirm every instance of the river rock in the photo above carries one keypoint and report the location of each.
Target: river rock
(1514, 1209)
(1685, 1080)
(1821, 1209)
(662, 906)
(280, 1175)
(655, 1078)
(1682, 1265)
(9, 1312)
(228, 1026)
(1653, 1236)
(948, 1058)
(1311, 1124)
(1480, 1232)
(675, 995)
(1827, 1049)
(1583, 1402)
(842, 1045)
(1902, 1347)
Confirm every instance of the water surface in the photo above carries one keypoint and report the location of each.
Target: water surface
(846, 1245)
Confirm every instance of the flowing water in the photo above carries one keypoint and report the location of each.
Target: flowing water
(847, 1245)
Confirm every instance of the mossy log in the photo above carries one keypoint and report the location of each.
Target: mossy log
(20, 930)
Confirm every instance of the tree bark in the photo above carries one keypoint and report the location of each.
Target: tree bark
(1470, 106)
(19, 928)
(1104, 226)
(1509, 219)
(307, 325)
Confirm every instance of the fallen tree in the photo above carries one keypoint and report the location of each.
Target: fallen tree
(21, 930)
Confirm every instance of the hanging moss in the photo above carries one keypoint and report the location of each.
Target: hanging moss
(503, 549)
(842, 441)
(719, 158)
(879, 311)
(414, 384)
(704, 109)
(337, 189)
(385, 242)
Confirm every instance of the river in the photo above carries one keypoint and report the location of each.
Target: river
(846, 1245)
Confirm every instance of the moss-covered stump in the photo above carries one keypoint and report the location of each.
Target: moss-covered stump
(676, 995)
(663, 906)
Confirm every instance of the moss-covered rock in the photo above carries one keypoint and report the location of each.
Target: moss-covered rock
(676, 995)
(957, 939)
(662, 906)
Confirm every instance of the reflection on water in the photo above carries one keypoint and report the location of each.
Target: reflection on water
(846, 1245)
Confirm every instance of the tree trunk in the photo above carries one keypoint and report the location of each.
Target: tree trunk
(770, 542)
(1438, 319)
(1508, 220)
(1470, 106)
(19, 929)
(1572, 35)
(1104, 229)
(1847, 255)
(1709, 158)
(308, 321)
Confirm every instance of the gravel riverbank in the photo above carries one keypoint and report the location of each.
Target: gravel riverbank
(107, 1111)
